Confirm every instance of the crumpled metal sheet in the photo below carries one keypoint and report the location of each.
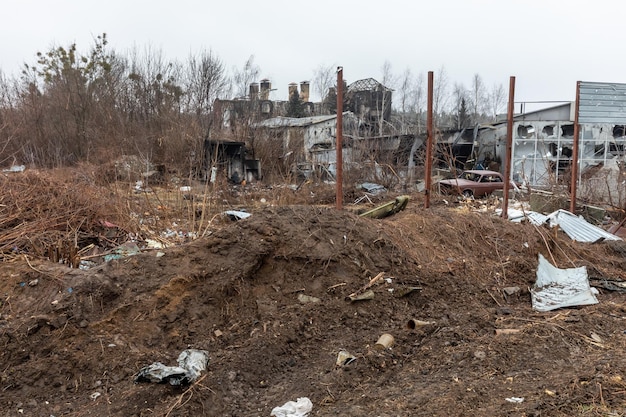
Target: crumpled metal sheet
(579, 229)
(558, 288)
(191, 363)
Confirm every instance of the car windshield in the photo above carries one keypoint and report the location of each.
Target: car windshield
(471, 176)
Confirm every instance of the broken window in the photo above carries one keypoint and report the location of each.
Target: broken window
(619, 131)
(525, 131)
(548, 130)
(567, 131)
(616, 145)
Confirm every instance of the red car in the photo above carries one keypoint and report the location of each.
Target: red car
(477, 183)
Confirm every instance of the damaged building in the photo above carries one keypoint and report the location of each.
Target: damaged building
(543, 145)
(236, 115)
(309, 144)
(230, 159)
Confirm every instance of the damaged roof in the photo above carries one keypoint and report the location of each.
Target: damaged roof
(280, 121)
(366, 84)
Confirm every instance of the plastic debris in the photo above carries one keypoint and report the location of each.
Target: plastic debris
(15, 168)
(237, 215)
(300, 408)
(345, 358)
(123, 251)
(558, 288)
(515, 400)
(373, 188)
(191, 363)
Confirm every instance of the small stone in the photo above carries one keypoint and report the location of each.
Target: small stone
(511, 290)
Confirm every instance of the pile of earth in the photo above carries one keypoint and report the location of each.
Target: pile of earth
(268, 298)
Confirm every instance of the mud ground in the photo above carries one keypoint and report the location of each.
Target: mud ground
(72, 340)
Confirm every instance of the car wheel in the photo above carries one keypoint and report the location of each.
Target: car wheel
(468, 193)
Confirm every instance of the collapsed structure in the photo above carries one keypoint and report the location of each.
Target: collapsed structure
(307, 145)
(542, 152)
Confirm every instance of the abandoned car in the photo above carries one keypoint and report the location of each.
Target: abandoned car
(476, 183)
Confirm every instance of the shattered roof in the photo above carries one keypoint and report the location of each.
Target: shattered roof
(297, 121)
(366, 84)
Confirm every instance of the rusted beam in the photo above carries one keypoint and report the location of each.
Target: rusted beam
(339, 142)
(509, 145)
(574, 165)
(429, 142)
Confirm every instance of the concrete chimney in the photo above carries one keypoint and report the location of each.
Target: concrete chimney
(304, 91)
(254, 91)
(266, 86)
(293, 89)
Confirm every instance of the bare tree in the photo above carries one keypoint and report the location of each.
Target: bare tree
(497, 100)
(324, 77)
(459, 96)
(242, 78)
(478, 98)
(440, 94)
(419, 100)
(388, 81)
(406, 92)
(205, 82)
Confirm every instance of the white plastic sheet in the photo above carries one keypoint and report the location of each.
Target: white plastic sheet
(558, 288)
(300, 408)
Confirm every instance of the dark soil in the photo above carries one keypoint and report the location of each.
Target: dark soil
(72, 341)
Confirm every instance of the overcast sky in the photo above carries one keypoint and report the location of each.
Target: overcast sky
(547, 45)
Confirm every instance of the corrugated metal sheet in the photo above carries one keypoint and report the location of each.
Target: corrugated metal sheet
(602, 103)
(579, 229)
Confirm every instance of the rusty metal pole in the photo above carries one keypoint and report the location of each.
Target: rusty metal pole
(339, 142)
(429, 141)
(574, 180)
(509, 145)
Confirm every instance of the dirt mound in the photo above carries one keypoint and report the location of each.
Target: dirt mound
(269, 298)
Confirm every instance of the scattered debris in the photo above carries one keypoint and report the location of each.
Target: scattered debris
(191, 363)
(372, 188)
(511, 290)
(300, 408)
(517, 400)
(384, 341)
(345, 358)
(123, 251)
(388, 209)
(15, 168)
(237, 215)
(367, 295)
(413, 324)
(517, 216)
(578, 228)
(306, 299)
(359, 295)
(558, 288)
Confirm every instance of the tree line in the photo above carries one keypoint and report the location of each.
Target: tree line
(68, 107)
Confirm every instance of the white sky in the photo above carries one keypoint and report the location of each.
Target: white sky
(547, 45)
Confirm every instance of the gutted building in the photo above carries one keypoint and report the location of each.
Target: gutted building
(230, 159)
(307, 144)
(543, 146)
